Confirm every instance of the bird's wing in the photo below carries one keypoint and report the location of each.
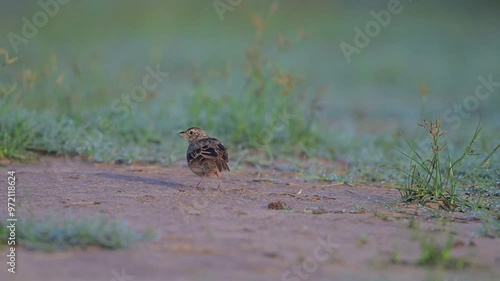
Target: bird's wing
(209, 149)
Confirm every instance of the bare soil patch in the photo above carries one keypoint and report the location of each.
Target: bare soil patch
(260, 226)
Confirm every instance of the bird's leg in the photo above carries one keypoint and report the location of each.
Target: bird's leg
(218, 181)
(197, 186)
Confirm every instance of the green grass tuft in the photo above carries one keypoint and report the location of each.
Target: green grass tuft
(54, 232)
(438, 254)
(15, 127)
(434, 178)
(15, 135)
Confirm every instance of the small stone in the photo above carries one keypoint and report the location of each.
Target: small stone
(277, 205)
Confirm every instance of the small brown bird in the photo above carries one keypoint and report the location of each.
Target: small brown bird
(206, 156)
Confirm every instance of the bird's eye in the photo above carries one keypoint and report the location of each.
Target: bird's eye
(191, 133)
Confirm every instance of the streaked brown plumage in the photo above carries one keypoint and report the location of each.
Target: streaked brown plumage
(206, 156)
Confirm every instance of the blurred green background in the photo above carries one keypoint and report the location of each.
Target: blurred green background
(235, 75)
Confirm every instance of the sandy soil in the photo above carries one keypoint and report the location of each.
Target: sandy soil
(330, 232)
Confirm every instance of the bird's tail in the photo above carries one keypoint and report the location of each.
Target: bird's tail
(222, 166)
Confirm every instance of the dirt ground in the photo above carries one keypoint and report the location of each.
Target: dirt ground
(328, 232)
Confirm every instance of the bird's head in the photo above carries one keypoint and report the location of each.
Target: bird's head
(192, 134)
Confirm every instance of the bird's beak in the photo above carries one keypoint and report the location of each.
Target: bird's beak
(182, 134)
